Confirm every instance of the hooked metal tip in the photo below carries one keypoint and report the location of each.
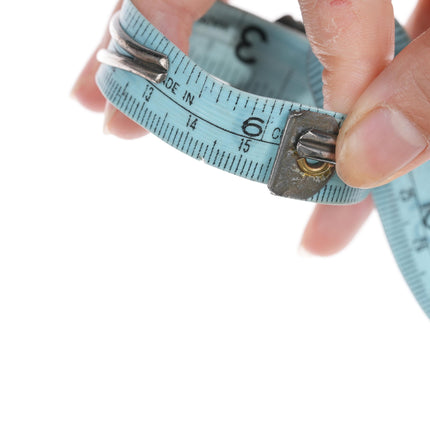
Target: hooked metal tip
(317, 145)
(144, 62)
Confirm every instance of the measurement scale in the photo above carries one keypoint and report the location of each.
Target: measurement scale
(248, 100)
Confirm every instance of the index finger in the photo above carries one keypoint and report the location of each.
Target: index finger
(354, 40)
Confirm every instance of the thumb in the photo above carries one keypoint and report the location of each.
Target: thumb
(387, 133)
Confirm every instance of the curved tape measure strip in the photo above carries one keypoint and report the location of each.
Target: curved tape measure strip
(403, 205)
(237, 126)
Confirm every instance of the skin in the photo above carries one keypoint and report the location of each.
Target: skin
(354, 40)
(330, 229)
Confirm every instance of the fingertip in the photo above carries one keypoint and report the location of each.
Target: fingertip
(174, 19)
(85, 90)
(118, 124)
(331, 228)
(303, 252)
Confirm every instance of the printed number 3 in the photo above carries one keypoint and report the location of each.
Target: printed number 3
(246, 43)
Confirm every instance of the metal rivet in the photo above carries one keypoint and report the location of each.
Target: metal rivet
(319, 169)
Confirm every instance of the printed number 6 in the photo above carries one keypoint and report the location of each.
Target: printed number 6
(252, 126)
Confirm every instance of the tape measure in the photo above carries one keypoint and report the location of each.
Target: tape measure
(248, 100)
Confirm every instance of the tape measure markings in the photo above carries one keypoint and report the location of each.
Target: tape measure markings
(240, 132)
(401, 211)
(254, 118)
(115, 92)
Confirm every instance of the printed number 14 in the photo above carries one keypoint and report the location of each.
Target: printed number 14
(192, 122)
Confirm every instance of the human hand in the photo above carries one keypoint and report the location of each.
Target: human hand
(354, 39)
(175, 20)
(387, 131)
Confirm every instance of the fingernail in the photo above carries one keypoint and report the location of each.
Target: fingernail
(76, 86)
(73, 91)
(376, 148)
(109, 113)
(119, 125)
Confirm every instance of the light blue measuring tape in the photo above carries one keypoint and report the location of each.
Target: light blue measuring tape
(226, 104)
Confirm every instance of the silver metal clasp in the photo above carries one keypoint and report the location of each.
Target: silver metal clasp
(306, 157)
(143, 61)
(318, 146)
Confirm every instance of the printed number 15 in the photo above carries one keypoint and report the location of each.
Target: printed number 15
(244, 145)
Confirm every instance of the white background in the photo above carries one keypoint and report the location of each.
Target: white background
(140, 288)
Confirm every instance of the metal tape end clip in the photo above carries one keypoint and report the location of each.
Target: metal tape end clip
(306, 157)
(144, 62)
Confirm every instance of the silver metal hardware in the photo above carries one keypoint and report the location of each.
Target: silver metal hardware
(318, 146)
(306, 156)
(143, 62)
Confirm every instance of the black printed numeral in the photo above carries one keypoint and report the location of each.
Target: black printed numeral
(420, 244)
(192, 122)
(407, 194)
(247, 37)
(426, 216)
(148, 93)
(253, 126)
(245, 144)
